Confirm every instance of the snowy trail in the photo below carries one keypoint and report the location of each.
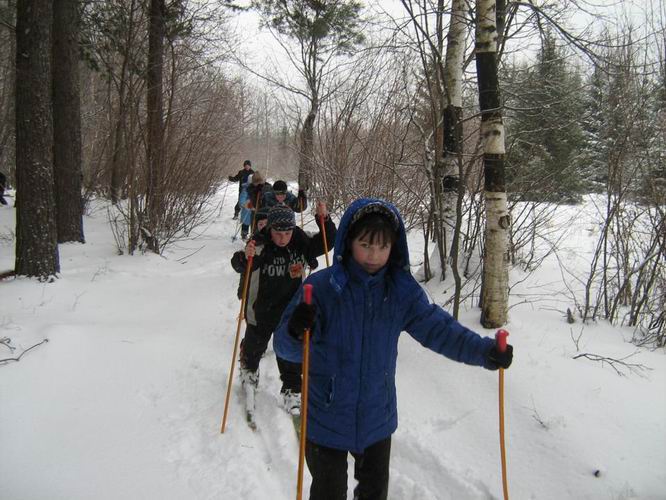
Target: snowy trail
(126, 399)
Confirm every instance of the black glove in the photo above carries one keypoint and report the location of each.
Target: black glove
(231, 178)
(303, 317)
(496, 359)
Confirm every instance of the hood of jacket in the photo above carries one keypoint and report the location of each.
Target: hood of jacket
(399, 258)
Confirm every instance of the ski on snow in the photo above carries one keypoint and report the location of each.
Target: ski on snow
(249, 392)
(296, 420)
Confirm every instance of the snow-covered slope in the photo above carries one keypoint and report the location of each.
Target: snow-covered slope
(125, 400)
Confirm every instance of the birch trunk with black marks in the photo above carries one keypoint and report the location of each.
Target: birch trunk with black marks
(495, 289)
(36, 231)
(451, 190)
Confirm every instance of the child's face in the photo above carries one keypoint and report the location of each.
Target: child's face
(370, 256)
(261, 224)
(281, 238)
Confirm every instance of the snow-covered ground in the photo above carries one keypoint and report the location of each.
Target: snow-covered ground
(126, 399)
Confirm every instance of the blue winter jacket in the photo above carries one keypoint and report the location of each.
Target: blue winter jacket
(354, 344)
(246, 213)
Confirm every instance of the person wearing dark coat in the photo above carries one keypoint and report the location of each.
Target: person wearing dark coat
(280, 253)
(261, 219)
(257, 191)
(281, 195)
(241, 178)
(3, 185)
(360, 306)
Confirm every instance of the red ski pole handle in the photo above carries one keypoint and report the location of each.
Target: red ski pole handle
(307, 294)
(500, 339)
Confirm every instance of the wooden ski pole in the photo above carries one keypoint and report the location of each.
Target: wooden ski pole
(254, 215)
(246, 281)
(307, 298)
(300, 208)
(323, 235)
(500, 340)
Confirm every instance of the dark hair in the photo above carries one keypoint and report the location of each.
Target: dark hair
(375, 227)
(247, 162)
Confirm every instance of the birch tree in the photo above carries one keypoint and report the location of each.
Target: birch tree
(428, 37)
(495, 290)
(453, 137)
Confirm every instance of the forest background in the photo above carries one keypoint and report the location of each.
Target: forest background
(152, 103)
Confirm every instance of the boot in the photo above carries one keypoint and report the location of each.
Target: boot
(291, 402)
(249, 382)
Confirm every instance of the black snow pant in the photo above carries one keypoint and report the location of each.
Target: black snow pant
(3, 181)
(254, 346)
(328, 468)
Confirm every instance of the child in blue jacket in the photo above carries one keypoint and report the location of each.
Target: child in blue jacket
(360, 305)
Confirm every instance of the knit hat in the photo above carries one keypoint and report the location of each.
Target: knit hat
(378, 208)
(247, 162)
(262, 213)
(281, 218)
(280, 187)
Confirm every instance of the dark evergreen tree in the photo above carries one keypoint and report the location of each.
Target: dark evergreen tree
(544, 105)
(36, 232)
(67, 122)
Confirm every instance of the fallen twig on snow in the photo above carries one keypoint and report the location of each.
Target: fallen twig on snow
(6, 360)
(614, 363)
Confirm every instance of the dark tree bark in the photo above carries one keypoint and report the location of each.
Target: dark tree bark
(305, 165)
(155, 120)
(7, 89)
(36, 232)
(67, 122)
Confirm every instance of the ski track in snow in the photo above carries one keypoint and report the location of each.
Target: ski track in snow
(126, 400)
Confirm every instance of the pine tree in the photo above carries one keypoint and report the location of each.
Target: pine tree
(546, 99)
(36, 232)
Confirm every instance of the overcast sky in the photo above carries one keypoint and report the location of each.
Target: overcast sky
(261, 48)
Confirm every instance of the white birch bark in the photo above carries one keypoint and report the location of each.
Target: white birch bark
(495, 292)
(453, 67)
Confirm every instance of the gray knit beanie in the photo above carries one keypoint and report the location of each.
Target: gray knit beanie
(281, 218)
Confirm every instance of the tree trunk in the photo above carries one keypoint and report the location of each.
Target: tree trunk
(120, 154)
(68, 172)
(453, 139)
(155, 122)
(495, 290)
(7, 92)
(36, 232)
(305, 165)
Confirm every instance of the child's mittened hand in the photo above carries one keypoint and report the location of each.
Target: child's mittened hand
(497, 359)
(322, 211)
(250, 249)
(303, 317)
